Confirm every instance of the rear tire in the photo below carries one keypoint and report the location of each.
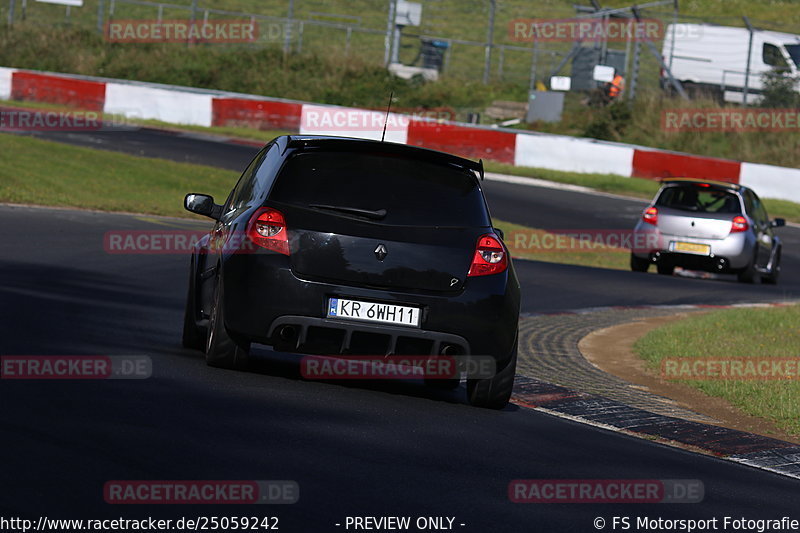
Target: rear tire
(665, 270)
(772, 277)
(224, 350)
(749, 273)
(638, 264)
(494, 393)
(194, 336)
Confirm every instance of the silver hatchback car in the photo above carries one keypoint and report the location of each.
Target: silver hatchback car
(710, 226)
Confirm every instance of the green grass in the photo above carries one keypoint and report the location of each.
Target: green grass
(462, 19)
(326, 77)
(783, 209)
(762, 333)
(53, 174)
(263, 136)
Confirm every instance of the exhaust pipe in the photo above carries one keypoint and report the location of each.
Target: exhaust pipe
(449, 349)
(287, 333)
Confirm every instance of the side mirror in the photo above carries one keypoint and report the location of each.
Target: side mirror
(499, 233)
(202, 204)
(777, 223)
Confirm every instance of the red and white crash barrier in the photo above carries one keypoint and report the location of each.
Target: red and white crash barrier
(202, 107)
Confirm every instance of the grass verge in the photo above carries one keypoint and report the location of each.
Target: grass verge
(749, 333)
(39, 172)
(540, 245)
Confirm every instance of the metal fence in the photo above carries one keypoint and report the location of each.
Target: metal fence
(347, 35)
(479, 43)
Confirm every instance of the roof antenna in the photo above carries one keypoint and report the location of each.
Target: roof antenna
(391, 95)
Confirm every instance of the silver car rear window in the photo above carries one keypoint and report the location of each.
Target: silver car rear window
(700, 199)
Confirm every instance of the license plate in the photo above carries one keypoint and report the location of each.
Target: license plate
(692, 248)
(373, 312)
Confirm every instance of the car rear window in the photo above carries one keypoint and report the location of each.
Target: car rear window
(413, 192)
(698, 198)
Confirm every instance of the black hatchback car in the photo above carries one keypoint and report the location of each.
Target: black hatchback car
(340, 247)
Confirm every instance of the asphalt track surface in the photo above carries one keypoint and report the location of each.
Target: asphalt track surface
(354, 449)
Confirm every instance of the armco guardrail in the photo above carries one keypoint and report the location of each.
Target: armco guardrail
(184, 105)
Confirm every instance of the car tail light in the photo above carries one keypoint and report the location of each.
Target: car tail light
(738, 224)
(650, 215)
(490, 256)
(267, 229)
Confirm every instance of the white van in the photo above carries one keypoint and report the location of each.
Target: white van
(713, 59)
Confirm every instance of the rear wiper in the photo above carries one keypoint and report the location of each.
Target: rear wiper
(379, 214)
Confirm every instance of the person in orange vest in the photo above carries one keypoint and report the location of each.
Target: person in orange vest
(616, 87)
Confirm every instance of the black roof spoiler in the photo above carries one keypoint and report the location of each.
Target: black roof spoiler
(311, 141)
(717, 183)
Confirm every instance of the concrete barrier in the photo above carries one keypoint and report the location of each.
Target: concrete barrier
(573, 154)
(166, 105)
(658, 164)
(772, 182)
(65, 90)
(5, 82)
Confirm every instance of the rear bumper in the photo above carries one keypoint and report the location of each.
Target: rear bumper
(334, 337)
(262, 295)
(730, 254)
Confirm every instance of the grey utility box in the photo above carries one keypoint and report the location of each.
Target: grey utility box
(545, 106)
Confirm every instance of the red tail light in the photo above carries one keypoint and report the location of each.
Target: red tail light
(490, 256)
(267, 229)
(650, 215)
(738, 224)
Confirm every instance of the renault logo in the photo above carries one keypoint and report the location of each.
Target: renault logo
(380, 252)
